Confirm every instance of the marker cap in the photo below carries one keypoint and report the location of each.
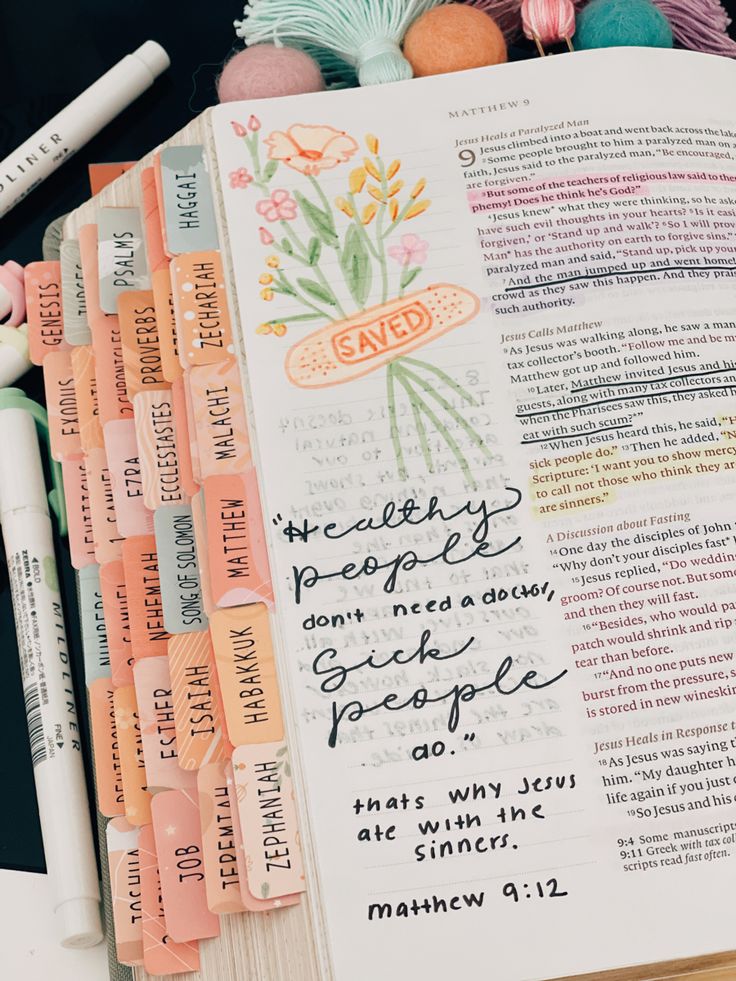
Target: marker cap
(153, 56)
(79, 923)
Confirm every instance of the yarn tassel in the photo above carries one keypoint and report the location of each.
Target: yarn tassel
(701, 25)
(548, 22)
(365, 35)
(506, 13)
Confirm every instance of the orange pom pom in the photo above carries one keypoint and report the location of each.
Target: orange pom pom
(451, 38)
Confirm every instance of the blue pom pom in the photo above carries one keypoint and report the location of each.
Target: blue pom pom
(616, 23)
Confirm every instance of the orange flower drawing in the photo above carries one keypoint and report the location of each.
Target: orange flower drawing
(311, 149)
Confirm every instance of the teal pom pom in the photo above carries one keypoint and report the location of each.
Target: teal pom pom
(617, 23)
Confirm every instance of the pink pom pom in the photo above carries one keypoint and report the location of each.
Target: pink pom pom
(548, 21)
(12, 294)
(266, 71)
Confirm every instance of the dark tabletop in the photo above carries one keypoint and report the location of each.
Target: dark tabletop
(49, 52)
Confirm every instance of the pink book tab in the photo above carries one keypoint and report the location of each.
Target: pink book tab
(152, 221)
(108, 540)
(115, 606)
(133, 517)
(158, 726)
(148, 636)
(108, 778)
(192, 431)
(219, 416)
(252, 903)
(161, 955)
(202, 317)
(184, 437)
(61, 403)
(85, 385)
(125, 888)
(43, 310)
(178, 835)
(222, 875)
(237, 557)
(198, 713)
(200, 538)
(268, 821)
(132, 766)
(79, 515)
(158, 446)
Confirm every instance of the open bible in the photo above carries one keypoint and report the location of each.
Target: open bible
(484, 330)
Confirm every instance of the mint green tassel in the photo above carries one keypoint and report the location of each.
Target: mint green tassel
(365, 34)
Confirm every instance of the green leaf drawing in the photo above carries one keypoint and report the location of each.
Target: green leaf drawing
(270, 169)
(408, 276)
(356, 266)
(323, 294)
(286, 246)
(320, 222)
(281, 751)
(314, 251)
(265, 890)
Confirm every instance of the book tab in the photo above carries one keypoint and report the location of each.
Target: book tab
(158, 727)
(121, 255)
(148, 636)
(181, 593)
(156, 434)
(198, 710)
(220, 419)
(115, 605)
(178, 838)
(43, 309)
(161, 955)
(202, 319)
(246, 669)
(76, 325)
(200, 537)
(221, 872)
(102, 508)
(238, 560)
(125, 889)
(163, 301)
(108, 779)
(189, 211)
(121, 447)
(268, 820)
(141, 350)
(112, 391)
(191, 428)
(132, 767)
(184, 436)
(85, 385)
(61, 403)
(79, 512)
(102, 174)
(94, 629)
(157, 259)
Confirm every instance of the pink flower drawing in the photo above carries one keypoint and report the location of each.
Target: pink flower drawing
(265, 235)
(254, 124)
(240, 178)
(281, 206)
(238, 128)
(412, 251)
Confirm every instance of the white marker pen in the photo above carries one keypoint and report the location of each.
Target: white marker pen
(47, 683)
(82, 119)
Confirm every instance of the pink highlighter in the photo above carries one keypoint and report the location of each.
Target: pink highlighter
(14, 358)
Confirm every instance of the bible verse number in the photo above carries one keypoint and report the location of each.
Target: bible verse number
(533, 890)
(467, 157)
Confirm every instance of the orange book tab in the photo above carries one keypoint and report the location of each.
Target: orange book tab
(184, 437)
(125, 887)
(79, 514)
(61, 403)
(191, 430)
(121, 447)
(198, 711)
(85, 385)
(161, 955)
(108, 778)
(108, 539)
(199, 522)
(102, 174)
(152, 222)
(203, 329)
(221, 867)
(218, 407)
(115, 605)
(178, 835)
(145, 609)
(268, 820)
(163, 300)
(246, 669)
(141, 350)
(43, 310)
(238, 561)
(158, 727)
(132, 765)
(158, 447)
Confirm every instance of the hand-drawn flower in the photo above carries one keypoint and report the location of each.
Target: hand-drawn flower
(272, 262)
(238, 128)
(281, 206)
(311, 149)
(412, 251)
(265, 279)
(267, 294)
(240, 178)
(265, 236)
(254, 124)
